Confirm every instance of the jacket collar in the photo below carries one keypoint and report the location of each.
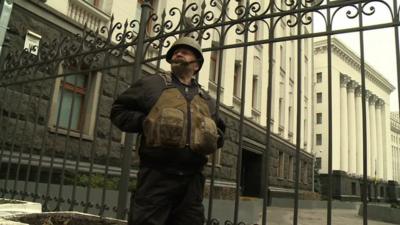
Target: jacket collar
(194, 82)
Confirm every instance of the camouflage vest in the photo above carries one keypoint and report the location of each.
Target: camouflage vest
(174, 122)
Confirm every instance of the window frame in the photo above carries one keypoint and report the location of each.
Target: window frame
(74, 89)
(214, 58)
(255, 92)
(237, 80)
(318, 77)
(318, 118)
(319, 97)
(90, 106)
(318, 139)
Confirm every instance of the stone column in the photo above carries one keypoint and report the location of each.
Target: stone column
(344, 148)
(379, 142)
(372, 122)
(368, 124)
(351, 109)
(359, 133)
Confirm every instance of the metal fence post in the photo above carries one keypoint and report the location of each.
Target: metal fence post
(129, 141)
(5, 14)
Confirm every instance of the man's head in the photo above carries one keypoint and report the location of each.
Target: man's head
(185, 54)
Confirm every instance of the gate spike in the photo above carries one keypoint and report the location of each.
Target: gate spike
(203, 5)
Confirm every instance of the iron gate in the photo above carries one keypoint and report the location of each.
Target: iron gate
(57, 141)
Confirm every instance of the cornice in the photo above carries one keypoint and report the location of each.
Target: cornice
(348, 56)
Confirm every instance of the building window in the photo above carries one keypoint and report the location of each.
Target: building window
(319, 97)
(70, 108)
(319, 118)
(257, 71)
(281, 168)
(74, 104)
(318, 139)
(255, 101)
(290, 119)
(214, 67)
(319, 77)
(237, 79)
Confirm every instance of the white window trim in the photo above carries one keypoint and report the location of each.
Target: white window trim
(32, 39)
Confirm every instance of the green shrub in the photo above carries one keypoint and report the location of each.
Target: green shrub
(97, 181)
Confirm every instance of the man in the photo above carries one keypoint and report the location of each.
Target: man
(178, 127)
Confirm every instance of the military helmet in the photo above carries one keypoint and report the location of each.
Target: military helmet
(190, 43)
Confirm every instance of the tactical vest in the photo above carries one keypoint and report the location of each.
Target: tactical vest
(175, 122)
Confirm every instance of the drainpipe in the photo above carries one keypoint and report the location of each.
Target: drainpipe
(5, 13)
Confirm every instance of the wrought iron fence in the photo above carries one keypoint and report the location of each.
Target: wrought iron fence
(57, 143)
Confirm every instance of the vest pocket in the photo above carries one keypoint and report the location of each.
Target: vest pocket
(166, 131)
(171, 127)
(205, 136)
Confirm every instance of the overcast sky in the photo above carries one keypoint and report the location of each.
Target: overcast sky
(379, 44)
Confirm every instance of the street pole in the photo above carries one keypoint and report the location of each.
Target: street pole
(5, 13)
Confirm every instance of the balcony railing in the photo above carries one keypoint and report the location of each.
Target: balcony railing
(83, 12)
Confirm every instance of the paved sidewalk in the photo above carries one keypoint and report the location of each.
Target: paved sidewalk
(284, 216)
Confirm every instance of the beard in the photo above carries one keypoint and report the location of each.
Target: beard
(179, 67)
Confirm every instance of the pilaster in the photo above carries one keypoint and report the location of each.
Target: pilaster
(352, 142)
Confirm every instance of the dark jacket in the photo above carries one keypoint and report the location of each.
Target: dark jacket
(131, 108)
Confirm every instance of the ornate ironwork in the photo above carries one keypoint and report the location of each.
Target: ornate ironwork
(199, 20)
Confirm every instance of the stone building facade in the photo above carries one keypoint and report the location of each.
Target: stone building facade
(347, 135)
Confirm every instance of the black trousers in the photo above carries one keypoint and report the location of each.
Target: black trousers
(167, 199)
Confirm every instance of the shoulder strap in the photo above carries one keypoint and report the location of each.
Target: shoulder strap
(167, 77)
(204, 94)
